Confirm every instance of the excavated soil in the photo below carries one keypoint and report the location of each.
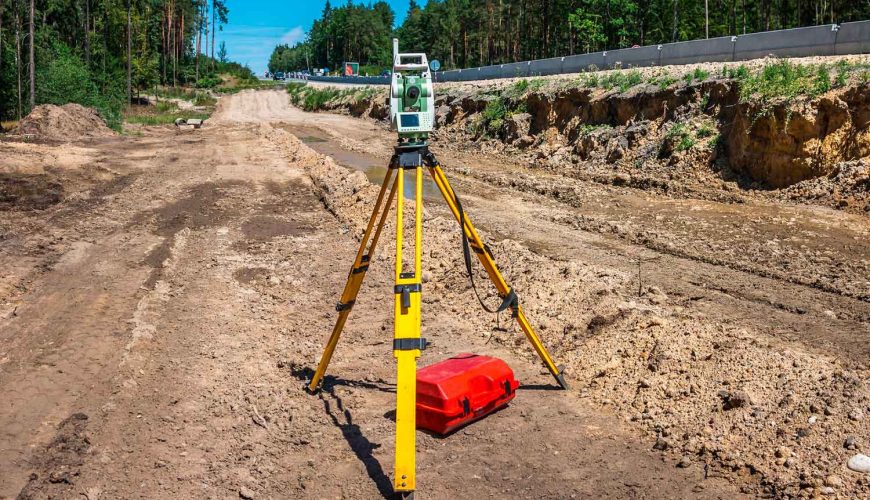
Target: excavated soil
(157, 326)
(69, 122)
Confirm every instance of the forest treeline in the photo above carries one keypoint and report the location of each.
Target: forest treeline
(470, 33)
(100, 53)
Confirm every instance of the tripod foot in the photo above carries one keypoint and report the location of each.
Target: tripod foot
(561, 379)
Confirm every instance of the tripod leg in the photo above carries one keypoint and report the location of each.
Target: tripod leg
(492, 270)
(356, 275)
(407, 343)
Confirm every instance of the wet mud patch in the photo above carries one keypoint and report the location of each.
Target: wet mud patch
(58, 466)
(289, 197)
(206, 205)
(29, 191)
(113, 186)
(248, 275)
(264, 228)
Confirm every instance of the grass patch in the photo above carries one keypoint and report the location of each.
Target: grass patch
(203, 99)
(681, 136)
(698, 75)
(587, 129)
(163, 113)
(491, 119)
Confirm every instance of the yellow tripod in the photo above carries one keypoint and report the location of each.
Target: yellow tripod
(407, 344)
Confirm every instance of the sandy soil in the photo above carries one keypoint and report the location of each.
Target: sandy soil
(159, 318)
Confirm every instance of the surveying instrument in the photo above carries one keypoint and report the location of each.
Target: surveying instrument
(412, 108)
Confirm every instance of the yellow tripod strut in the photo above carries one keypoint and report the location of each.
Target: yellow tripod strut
(491, 268)
(356, 275)
(407, 344)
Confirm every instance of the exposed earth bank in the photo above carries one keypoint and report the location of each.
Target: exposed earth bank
(716, 134)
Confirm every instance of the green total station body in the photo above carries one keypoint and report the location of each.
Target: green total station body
(412, 96)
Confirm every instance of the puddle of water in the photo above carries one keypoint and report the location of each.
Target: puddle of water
(374, 168)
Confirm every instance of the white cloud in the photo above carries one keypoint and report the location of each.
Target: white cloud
(293, 36)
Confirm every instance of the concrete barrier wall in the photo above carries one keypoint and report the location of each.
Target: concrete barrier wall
(544, 67)
(583, 62)
(847, 38)
(797, 42)
(631, 58)
(853, 38)
(514, 70)
(698, 51)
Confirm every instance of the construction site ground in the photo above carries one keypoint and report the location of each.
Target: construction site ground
(161, 313)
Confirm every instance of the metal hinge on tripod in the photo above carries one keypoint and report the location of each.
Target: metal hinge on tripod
(406, 291)
(343, 306)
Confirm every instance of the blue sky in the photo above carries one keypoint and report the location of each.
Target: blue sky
(256, 26)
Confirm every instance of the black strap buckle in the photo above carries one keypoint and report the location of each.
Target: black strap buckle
(406, 291)
(409, 344)
(344, 306)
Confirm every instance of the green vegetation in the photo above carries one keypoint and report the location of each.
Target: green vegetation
(65, 79)
(163, 113)
(587, 129)
(614, 79)
(314, 99)
(681, 136)
(81, 52)
(491, 119)
(698, 75)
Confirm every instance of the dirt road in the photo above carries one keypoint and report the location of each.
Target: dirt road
(157, 326)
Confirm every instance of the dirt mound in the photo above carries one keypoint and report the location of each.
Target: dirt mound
(67, 122)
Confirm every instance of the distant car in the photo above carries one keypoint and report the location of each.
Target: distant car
(387, 73)
(279, 75)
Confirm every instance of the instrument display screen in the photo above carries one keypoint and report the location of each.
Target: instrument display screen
(409, 120)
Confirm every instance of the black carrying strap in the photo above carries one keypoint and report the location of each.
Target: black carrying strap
(510, 300)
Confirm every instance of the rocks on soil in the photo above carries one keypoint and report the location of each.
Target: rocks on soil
(859, 463)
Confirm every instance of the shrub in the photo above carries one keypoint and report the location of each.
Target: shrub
(492, 118)
(680, 135)
(65, 79)
(209, 81)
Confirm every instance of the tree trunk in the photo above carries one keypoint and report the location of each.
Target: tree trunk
(676, 32)
(18, 59)
(706, 19)
(129, 52)
(88, 33)
(213, 31)
(32, 96)
(205, 25)
(197, 25)
(163, 45)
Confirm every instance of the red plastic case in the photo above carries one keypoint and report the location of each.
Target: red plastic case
(462, 389)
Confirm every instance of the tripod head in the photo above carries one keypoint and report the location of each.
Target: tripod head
(412, 95)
